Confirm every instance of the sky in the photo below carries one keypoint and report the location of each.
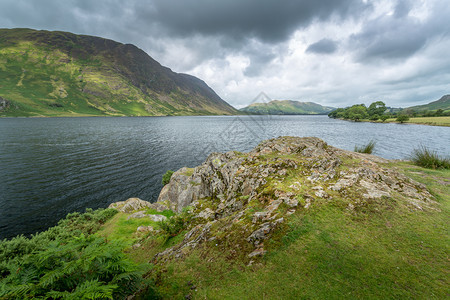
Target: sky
(332, 52)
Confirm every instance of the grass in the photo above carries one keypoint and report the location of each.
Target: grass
(433, 121)
(327, 254)
(119, 228)
(366, 148)
(427, 158)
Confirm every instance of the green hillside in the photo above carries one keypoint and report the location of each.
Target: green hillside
(287, 107)
(45, 73)
(443, 103)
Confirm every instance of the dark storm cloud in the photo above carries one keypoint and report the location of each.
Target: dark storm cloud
(232, 20)
(400, 35)
(108, 18)
(229, 25)
(267, 20)
(324, 46)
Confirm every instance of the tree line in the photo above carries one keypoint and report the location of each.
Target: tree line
(378, 111)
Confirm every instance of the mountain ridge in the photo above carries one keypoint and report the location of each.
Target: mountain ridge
(287, 107)
(442, 103)
(60, 73)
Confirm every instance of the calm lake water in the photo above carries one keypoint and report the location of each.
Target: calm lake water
(52, 166)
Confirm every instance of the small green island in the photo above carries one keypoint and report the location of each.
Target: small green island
(293, 218)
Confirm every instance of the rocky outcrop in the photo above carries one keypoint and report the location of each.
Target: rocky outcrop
(136, 204)
(246, 197)
(4, 104)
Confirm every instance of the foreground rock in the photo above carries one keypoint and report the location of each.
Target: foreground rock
(244, 198)
(136, 204)
(4, 104)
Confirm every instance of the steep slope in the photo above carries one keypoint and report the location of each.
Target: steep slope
(443, 103)
(60, 73)
(287, 107)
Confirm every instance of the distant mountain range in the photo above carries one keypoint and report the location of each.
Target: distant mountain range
(443, 103)
(287, 107)
(45, 73)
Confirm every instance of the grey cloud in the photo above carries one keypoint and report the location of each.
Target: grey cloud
(398, 36)
(402, 8)
(258, 63)
(324, 46)
(267, 20)
(403, 39)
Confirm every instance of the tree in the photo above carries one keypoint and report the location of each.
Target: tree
(376, 108)
(402, 118)
(355, 117)
(357, 112)
(337, 113)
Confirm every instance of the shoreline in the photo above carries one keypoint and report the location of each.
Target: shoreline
(424, 121)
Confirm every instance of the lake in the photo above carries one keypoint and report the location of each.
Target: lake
(52, 166)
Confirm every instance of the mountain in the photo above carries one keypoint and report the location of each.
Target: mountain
(443, 103)
(46, 73)
(287, 107)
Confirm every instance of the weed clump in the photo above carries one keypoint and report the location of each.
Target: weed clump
(166, 177)
(366, 148)
(427, 158)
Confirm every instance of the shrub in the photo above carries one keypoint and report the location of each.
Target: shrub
(402, 118)
(426, 158)
(374, 117)
(366, 149)
(384, 117)
(73, 225)
(174, 225)
(166, 177)
(83, 268)
(67, 262)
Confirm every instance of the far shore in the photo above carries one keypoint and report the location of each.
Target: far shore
(431, 121)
